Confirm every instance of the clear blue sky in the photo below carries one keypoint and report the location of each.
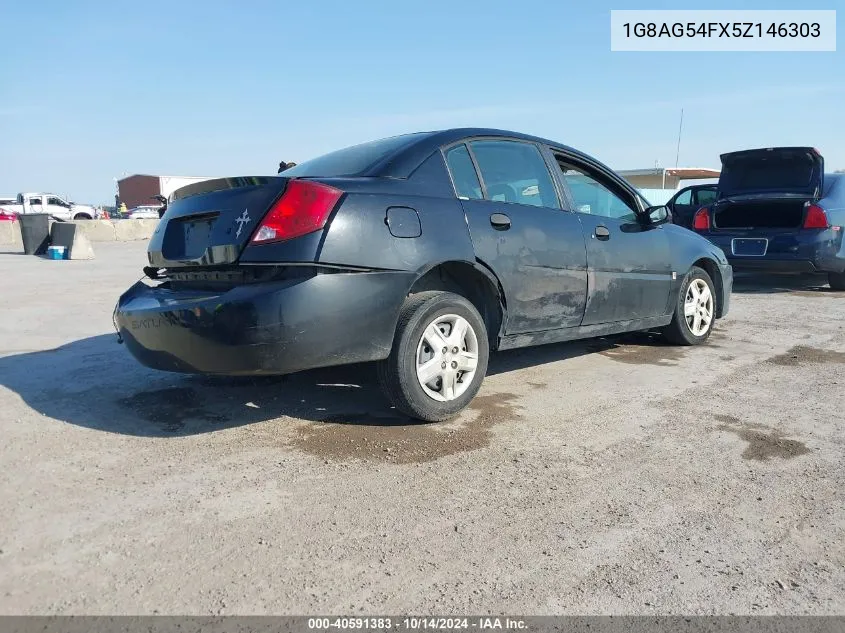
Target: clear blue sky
(92, 90)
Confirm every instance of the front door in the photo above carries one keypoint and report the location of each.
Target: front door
(628, 259)
(520, 232)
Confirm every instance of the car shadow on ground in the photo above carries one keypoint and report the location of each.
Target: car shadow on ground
(95, 383)
(765, 283)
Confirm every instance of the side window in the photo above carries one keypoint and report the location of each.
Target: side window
(35, 201)
(706, 196)
(55, 201)
(685, 197)
(515, 172)
(591, 196)
(463, 173)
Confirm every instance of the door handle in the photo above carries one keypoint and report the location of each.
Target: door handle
(602, 233)
(500, 221)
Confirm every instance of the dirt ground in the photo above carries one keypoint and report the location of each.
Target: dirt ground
(615, 476)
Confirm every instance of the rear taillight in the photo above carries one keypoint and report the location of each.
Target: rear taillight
(701, 220)
(303, 208)
(816, 218)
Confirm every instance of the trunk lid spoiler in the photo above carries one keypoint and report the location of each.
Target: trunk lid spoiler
(773, 170)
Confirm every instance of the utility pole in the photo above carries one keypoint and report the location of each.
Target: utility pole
(680, 128)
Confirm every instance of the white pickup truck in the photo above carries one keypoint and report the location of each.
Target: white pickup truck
(52, 204)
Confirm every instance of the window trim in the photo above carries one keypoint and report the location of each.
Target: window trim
(445, 150)
(610, 180)
(678, 195)
(540, 148)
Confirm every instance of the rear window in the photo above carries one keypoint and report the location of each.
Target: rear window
(351, 161)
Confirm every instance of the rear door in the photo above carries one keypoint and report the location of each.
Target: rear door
(683, 207)
(521, 233)
(628, 261)
(35, 205)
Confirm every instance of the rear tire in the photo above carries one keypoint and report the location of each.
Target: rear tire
(421, 379)
(836, 280)
(695, 310)
(82, 216)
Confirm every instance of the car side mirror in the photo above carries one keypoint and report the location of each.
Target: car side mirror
(659, 214)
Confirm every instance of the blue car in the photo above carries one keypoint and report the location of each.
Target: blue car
(777, 211)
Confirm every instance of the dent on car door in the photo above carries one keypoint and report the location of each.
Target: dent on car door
(628, 259)
(519, 231)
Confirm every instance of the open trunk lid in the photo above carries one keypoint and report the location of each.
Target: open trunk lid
(209, 223)
(776, 170)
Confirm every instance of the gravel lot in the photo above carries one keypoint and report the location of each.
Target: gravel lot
(609, 476)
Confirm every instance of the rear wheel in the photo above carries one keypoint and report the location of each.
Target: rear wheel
(695, 310)
(439, 356)
(82, 216)
(836, 280)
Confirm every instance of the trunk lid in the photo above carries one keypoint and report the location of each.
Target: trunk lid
(780, 170)
(210, 223)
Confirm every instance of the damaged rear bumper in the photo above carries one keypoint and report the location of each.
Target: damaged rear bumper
(278, 327)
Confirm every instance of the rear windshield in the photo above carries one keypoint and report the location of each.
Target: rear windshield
(351, 161)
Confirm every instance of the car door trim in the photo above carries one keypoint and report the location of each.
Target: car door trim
(541, 147)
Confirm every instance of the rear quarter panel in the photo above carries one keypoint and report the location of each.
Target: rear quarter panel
(358, 234)
(833, 200)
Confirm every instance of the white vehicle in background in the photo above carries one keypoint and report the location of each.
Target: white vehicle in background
(52, 204)
(146, 211)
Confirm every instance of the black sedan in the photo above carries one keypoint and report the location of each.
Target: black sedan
(422, 252)
(688, 200)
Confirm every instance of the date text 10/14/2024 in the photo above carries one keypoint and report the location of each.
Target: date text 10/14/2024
(481, 623)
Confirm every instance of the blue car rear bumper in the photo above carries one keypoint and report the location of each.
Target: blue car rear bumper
(804, 251)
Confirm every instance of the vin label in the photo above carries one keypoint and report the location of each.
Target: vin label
(723, 30)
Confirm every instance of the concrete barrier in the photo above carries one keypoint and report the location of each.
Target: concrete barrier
(126, 230)
(94, 230)
(116, 230)
(10, 234)
(97, 230)
(72, 237)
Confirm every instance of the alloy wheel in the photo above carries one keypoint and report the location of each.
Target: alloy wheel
(698, 307)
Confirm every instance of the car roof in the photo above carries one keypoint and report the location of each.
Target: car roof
(405, 160)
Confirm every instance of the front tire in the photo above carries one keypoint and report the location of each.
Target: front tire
(82, 216)
(439, 356)
(836, 280)
(695, 310)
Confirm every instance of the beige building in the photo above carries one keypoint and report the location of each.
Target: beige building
(666, 177)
